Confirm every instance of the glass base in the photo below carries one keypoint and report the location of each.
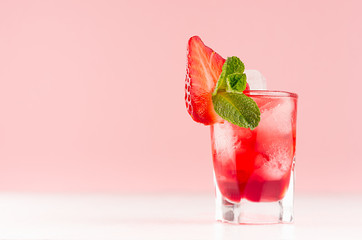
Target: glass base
(247, 212)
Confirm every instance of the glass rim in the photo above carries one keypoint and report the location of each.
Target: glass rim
(270, 93)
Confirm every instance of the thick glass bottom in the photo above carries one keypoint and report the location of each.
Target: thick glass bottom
(247, 212)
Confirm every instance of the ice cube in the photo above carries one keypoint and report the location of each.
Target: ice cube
(255, 80)
(276, 117)
(225, 141)
(223, 136)
(276, 161)
(228, 140)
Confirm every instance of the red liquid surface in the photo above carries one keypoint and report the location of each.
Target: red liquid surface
(256, 164)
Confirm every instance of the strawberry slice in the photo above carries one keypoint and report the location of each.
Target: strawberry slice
(204, 67)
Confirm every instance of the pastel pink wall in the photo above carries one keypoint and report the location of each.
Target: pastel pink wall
(92, 92)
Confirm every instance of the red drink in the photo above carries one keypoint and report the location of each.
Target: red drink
(253, 169)
(256, 165)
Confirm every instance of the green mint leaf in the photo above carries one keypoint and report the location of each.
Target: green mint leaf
(237, 108)
(231, 65)
(228, 99)
(236, 82)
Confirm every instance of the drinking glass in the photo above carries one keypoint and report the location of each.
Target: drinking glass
(254, 169)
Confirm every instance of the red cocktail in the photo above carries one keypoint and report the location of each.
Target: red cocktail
(257, 165)
(252, 133)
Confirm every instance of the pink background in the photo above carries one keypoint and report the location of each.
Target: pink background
(92, 92)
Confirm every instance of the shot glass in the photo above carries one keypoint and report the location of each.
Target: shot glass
(254, 169)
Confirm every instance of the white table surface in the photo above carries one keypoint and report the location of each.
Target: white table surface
(166, 216)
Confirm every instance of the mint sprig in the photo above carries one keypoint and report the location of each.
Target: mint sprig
(228, 99)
